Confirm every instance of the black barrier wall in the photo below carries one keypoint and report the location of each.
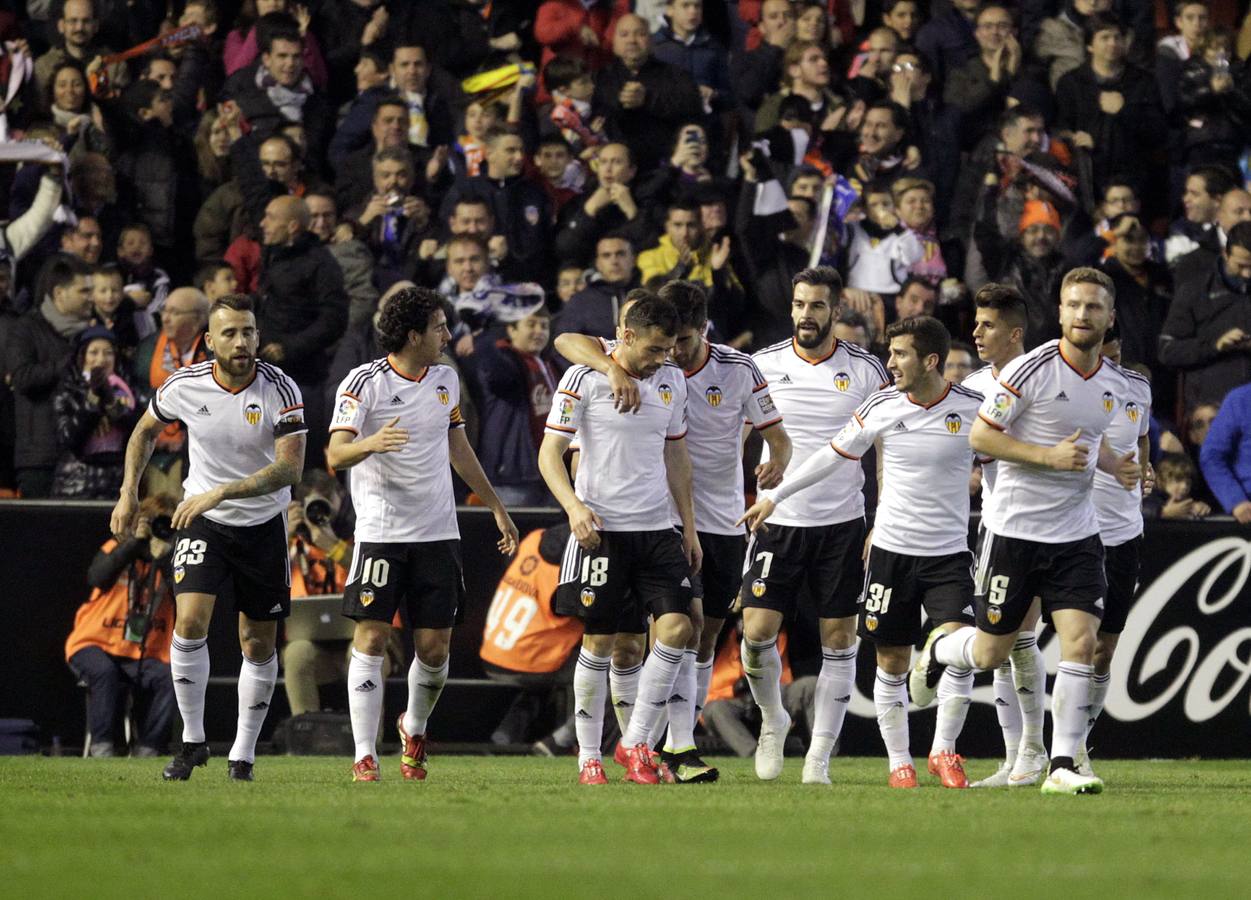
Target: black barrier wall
(1179, 684)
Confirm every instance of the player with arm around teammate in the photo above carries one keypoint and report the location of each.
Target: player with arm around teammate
(397, 425)
(246, 437)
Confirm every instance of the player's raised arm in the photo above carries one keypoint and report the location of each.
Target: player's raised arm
(467, 466)
(138, 452)
(584, 350)
(285, 471)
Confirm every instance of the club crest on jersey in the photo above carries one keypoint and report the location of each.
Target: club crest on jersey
(252, 412)
(954, 423)
(993, 615)
(714, 396)
(1108, 402)
(666, 393)
(842, 381)
(444, 397)
(870, 622)
(758, 588)
(587, 596)
(367, 596)
(180, 572)
(1132, 412)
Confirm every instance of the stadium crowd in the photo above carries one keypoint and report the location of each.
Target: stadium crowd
(536, 161)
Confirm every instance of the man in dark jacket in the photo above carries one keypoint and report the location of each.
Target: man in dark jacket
(642, 99)
(594, 309)
(757, 73)
(1208, 329)
(610, 207)
(303, 308)
(39, 347)
(684, 42)
(947, 40)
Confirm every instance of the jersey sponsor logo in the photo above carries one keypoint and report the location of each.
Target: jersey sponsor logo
(714, 396)
(1132, 411)
(203, 411)
(444, 397)
(954, 423)
(1108, 401)
(367, 596)
(758, 588)
(842, 381)
(870, 622)
(587, 596)
(666, 393)
(252, 412)
(346, 411)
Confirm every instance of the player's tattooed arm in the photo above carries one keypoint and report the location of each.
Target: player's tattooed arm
(467, 466)
(285, 471)
(583, 521)
(138, 452)
(583, 350)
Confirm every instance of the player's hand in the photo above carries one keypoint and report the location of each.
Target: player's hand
(388, 438)
(769, 475)
(1128, 472)
(694, 552)
(584, 525)
(1067, 456)
(757, 514)
(625, 393)
(1148, 479)
(193, 507)
(508, 532)
(122, 521)
(1242, 512)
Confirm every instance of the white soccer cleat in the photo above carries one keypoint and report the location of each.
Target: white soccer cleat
(1067, 781)
(816, 771)
(923, 679)
(769, 749)
(1030, 766)
(998, 780)
(1082, 761)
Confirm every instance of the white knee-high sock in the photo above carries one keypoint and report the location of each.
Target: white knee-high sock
(189, 666)
(1029, 674)
(703, 678)
(956, 648)
(955, 689)
(833, 695)
(425, 684)
(624, 684)
(364, 681)
(1098, 694)
(660, 670)
(681, 707)
(1008, 709)
(890, 698)
(256, 689)
(762, 664)
(589, 689)
(1070, 706)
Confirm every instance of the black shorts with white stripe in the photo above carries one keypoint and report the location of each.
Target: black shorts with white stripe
(251, 559)
(422, 580)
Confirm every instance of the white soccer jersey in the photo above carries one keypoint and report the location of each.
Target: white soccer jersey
(404, 496)
(926, 461)
(984, 382)
(817, 399)
(621, 474)
(1119, 510)
(231, 433)
(1042, 399)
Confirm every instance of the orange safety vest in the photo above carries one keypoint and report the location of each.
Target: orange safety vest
(166, 360)
(727, 668)
(101, 621)
(522, 634)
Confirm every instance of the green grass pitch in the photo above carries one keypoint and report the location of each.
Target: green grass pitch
(523, 827)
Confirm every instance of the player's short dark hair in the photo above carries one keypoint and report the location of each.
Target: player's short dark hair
(1088, 275)
(563, 71)
(820, 276)
(1217, 180)
(409, 309)
(233, 302)
(928, 336)
(1007, 300)
(690, 301)
(649, 311)
(276, 26)
(60, 271)
(1239, 236)
(208, 271)
(1097, 22)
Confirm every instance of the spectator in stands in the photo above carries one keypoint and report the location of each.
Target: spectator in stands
(1208, 330)
(904, 17)
(948, 40)
(121, 635)
(77, 25)
(578, 29)
(916, 297)
(609, 207)
(467, 263)
(241, 43)
(1021, 131)
(1214, 104)
(684, 42)
(1143, 290)
(216, 278)
(1235, 207)
(1175, 479)
(806, 73)
(979, 88)
(147, 285)
(394, 221)
(1031, 263)
(352, 255)
(1226, 454)
(112, 310)
(225, 215)
(1192, 21)
(84, 239)
(961, 362)
(517, 382)
(526, 645)
(68, 100)
(95, 410)
(1201, 199)
(1060, 45)
(39, 347)
(594, 309)
(756, 73)
(852, 327)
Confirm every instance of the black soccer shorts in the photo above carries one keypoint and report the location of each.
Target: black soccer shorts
(1011, 572)
(423, 580)
(898, 588)
(253, 558)
(721, 575)
(1121, 567)
(825, 558)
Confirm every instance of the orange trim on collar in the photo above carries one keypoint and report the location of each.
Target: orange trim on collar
(935, 403)
(813, 362)
(398, 371)
(1085, 376)
(230, 390)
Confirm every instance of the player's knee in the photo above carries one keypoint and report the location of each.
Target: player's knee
(191, 627)
(697, 628)
(989, 656)
(707, 643)
(1080, 647)
(433, 648)
(894, 660)
(1105, 648)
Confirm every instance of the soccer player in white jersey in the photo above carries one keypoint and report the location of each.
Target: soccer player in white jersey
(724, 390)
(1120, 529)
(816, 537)
(623, 547)
(1020, 682)
(1045, 424)
(919, 561)
(397, 425)
(246, 435)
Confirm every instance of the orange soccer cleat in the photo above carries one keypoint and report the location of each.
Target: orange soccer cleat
(592, 773)
(903, 777)
(365, 769)
(413, 757)
(662, 769)
(639, 766)
(949, 768)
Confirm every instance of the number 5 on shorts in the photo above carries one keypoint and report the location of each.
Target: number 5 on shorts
(998, 592)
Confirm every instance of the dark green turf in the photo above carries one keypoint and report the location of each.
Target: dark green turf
(521, 827)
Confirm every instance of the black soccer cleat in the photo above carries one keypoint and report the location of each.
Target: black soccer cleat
(688, 768)
(190, 756)
(239, 770)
